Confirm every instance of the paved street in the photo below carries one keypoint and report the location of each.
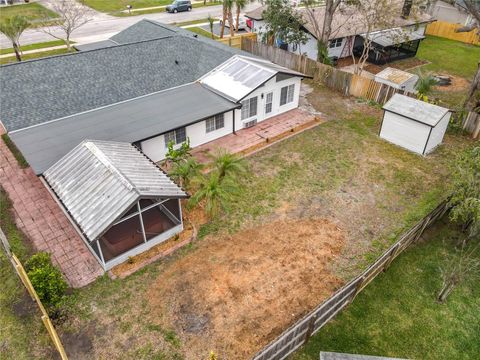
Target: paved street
(104, 26)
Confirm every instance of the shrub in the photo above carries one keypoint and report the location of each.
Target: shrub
(46, 279)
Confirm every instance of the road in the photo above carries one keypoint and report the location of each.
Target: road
(103, 26)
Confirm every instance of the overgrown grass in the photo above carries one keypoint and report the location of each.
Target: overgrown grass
(453, 57)
(36, 55)
(22, 335)
(16, 153)
(34, 12)
(397, 314)
(34, 46)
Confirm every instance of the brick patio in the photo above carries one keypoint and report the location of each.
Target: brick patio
(44, 223)
(249, 140)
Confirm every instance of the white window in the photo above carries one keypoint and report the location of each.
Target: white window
(215, 123)
(177, 136)
(286, 94)
(268, 103)
(249, 108)
(335, 43)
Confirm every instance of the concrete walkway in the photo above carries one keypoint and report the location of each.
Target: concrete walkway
(43, 222)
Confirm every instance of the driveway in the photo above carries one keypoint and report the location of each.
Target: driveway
(103, 26)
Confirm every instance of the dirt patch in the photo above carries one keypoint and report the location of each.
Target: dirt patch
(25, 306)
(79, 344)
(458, 84)
(236, 293)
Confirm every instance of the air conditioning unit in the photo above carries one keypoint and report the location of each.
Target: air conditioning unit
(249, 123)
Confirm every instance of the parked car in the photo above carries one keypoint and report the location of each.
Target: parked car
(179, 5)
(242, 23)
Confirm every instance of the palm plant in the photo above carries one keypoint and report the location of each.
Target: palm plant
(210, 24)
(186, 170)
(227, 6)
(216, 192)
(12, 28)
(424, 86)
(226, 163)
(240, 5)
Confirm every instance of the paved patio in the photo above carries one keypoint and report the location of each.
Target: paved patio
(41, 219)
(249, 140)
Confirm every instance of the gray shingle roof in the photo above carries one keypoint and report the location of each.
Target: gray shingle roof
(98, 181)
(128, 121)
(95, 45)
(51, 88)
(144, 30)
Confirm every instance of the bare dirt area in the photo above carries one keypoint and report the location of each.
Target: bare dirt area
(458, 84)
(237, 292)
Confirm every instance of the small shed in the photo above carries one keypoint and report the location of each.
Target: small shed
(413, 124)
(397, 79)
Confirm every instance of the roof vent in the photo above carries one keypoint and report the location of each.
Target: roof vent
(195, 35)
(176, 62)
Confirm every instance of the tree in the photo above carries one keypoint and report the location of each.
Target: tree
(211, 20)
(240, 5)
(322, 27)
(284, 23)
(73, 14)
(12, 28)
(227, 6)
(472, 102)
(465, 202)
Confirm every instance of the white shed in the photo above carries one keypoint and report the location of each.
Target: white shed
(413, 124)
(398, 79)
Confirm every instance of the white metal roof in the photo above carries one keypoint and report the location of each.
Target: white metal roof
(396, 76)
(98, 181)
(393, 36)
(420, 111)
(240, 75)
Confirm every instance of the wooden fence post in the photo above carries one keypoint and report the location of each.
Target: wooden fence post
(311, 325)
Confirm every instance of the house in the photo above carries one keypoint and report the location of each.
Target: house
(413, 124)
(131, 96)
(400, 40)
(397, 79)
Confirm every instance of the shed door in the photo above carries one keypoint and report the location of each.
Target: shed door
(404, 132)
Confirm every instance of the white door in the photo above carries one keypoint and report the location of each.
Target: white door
(268, 104)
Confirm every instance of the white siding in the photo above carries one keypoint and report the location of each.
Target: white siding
(310, 49)
(155, 148)
(436, 137)
(270, 86)
(404, 132)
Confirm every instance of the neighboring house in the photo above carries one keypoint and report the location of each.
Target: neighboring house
(172, 86)
(400, 40)
(455, 14)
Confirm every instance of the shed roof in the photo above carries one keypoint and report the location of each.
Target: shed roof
(395, 76)
(239, 76)
(130, 121)
(414, 109)
(98, 181)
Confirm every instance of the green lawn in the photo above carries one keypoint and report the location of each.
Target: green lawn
(22, 334)
(11, 59)
(34, 46)
(34, 12)
(119, 5)
(201, 31)
(397, 314)
(449, 56)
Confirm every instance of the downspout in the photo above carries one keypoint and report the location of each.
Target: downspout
(234, 121)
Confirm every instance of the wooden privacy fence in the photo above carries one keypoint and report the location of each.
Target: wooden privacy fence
(341, 81)
(447, 30)
(22, 274)
(299, 333)
(236, 41)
